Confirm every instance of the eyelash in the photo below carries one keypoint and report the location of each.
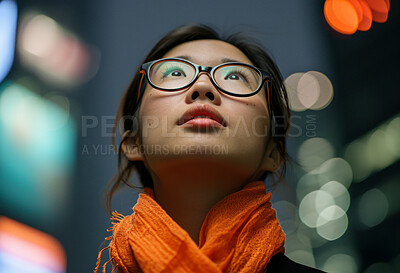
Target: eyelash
(170, 69)
(242, 73)
(238, 71)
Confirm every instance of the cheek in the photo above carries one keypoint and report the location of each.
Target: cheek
(260, 118)
(249, 132)
(260, 126)
(155, 116)
(150, 116)
(252, 119)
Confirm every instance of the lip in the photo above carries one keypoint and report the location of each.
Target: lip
(204, 110)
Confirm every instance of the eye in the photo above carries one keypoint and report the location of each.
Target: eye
(233, 77)
(177, 73)
(173, 71)
(236, 76)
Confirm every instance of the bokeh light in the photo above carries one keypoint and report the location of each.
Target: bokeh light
(40, 35)
(308, 90)
(332, 223)
(8, 27)
(293, 242)
(376, 150)
(313, 152)
(306, 184)
(63, 103)
(312, 90)
(341, 16)
(355, 154)
(303, 256)
(325, 90)
(340, 263)
(335, 169)
(318, 210)
(299, 250)
(25, 249)
(348, 16)
(359, 10)
(310, 236)
(380, 10)
(312, 206)
(37, 152)
(291, 84)
(379, 152)
(324, 201)
(53, 53)
(392, 136)
(366, 21)
(339, 194)
(287, 215)
(373, 207)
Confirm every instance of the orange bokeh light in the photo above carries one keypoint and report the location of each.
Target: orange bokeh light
(380, 10)
(388, 4)
(346, 16)
(366, 21)
(341, 15)
(379, 5)
(357, 6)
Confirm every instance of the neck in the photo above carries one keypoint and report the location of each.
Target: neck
(188, 193)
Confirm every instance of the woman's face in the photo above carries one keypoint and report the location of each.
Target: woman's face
(239, 146)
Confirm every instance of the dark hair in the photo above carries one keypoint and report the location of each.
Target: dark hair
(280, 113)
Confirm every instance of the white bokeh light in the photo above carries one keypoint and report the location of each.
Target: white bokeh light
(313, 152)
(312, 205)
(332, 223)
(373, 207)
(306, 184)
(340, 263)
(375, 150)
(335, 169)
(339, 193)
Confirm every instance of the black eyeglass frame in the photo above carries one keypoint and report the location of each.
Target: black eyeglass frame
(146, 67)
(210, 69)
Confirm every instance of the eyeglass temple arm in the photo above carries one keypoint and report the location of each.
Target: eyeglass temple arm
(142, 74)
(268, 82)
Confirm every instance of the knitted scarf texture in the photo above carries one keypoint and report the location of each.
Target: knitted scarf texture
(240, 234)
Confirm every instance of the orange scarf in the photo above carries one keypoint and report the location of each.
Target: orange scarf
(239, 234)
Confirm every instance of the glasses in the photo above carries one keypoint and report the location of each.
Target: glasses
(233, 78)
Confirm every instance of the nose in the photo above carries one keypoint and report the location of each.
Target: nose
(203, 89)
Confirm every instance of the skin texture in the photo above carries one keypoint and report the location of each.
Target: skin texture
(188, 183)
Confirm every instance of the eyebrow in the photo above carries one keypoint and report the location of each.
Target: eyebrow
(223, 60)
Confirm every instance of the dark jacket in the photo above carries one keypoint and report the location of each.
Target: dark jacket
(282, 264)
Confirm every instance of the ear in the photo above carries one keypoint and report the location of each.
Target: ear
(131, 147)
(272, 159)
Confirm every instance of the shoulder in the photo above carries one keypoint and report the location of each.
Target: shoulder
(282, 264)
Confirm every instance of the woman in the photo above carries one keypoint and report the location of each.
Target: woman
(204, 123)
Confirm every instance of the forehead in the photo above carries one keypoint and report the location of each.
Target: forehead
(208, 52)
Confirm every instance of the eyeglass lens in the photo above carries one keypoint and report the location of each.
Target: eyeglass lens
(238, 79)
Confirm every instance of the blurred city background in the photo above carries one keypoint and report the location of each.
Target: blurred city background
(65, 64)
